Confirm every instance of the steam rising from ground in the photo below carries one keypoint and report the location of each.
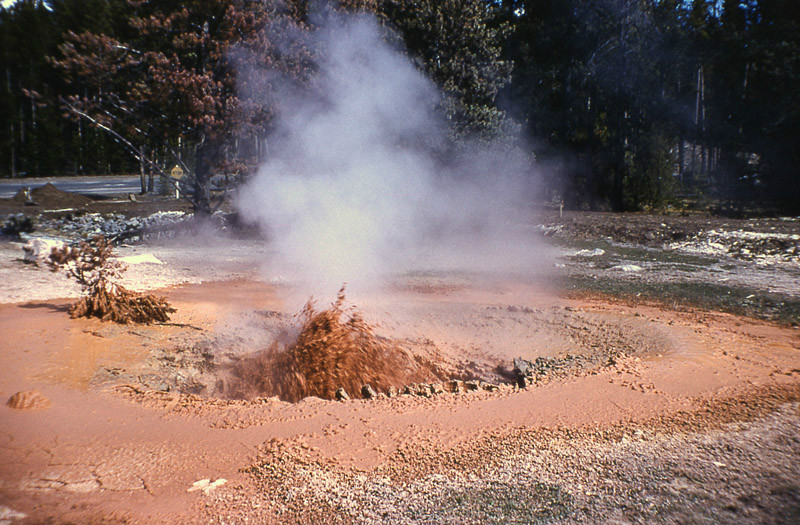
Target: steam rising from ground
(359, 186)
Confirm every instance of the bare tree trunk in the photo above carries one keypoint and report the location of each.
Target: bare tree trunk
(699, 124)
(150, 182)
(703, 162)
(715, 162)
(21, 127)
(202, 177)
(13, 152)
(142, 178)
(37, 155)
(591, 183)
(702, 98)
(80, 148)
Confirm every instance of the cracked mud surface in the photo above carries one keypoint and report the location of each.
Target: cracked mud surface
(652, 415)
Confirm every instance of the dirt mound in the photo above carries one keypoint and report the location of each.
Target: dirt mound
(334, 349)
(27, 400)
(51, 197)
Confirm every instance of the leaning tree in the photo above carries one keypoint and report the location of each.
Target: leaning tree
(176, 83)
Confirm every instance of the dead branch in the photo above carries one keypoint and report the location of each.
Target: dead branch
(92, 266)
(139, 154)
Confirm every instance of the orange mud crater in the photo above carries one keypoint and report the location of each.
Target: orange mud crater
(115, 447)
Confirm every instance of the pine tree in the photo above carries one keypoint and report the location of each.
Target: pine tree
(175, 78)
(459, 44)
(773, 126)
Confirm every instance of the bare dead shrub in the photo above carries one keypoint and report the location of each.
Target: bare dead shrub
(90, 264)
(335, 348)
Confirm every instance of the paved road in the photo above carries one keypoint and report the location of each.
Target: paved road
(90, 185)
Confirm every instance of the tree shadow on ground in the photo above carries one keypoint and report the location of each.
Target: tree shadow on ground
(55, 307)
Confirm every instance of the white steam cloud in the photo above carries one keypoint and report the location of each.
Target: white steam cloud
(356, 188)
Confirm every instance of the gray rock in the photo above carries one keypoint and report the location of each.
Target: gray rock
(471, 386)
(16, 224)
(341, 395)
(414, 389)
(367, 392)
(522, 367)
(37, 250)
(454, 386)
(115, 227)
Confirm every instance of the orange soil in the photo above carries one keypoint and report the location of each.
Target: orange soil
(131, 454)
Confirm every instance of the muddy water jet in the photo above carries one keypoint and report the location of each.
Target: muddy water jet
(335, 348)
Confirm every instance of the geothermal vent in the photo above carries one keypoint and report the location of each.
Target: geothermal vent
(335, 348)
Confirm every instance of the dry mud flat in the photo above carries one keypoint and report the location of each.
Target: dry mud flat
(645, 415)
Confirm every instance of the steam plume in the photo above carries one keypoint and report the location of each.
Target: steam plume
(357, 187)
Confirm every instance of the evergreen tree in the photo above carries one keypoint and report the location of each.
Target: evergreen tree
(637, 95)
(591, 78)
(29, 145)
(34, 139)
(773, 125)
(175, 79)
(459, 44)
